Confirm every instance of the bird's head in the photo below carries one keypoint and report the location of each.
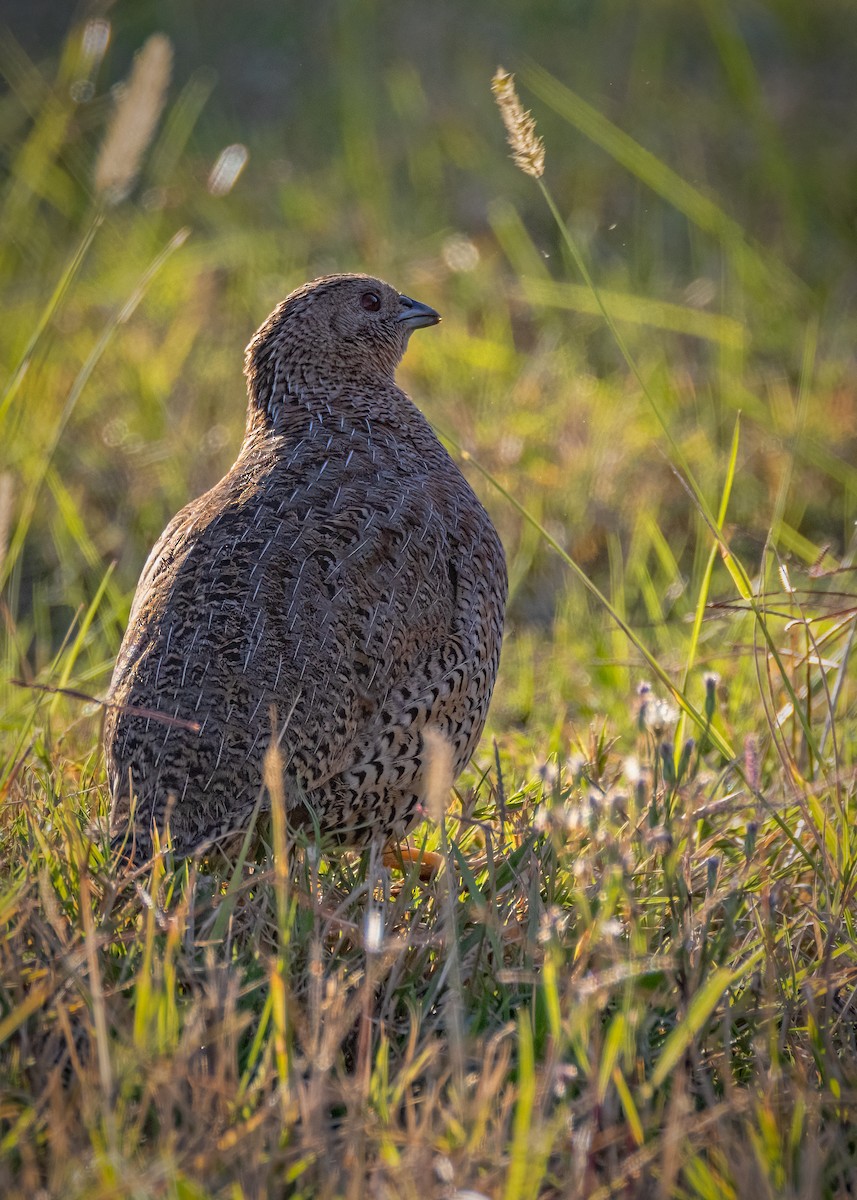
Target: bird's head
(337, 330)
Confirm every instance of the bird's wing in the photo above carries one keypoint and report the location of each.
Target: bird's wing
(354, 601)
(393, 621)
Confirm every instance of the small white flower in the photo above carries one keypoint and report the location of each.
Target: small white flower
(549, 771)
(660, 715)
(574, 818)
(633, 771)
(574, 765)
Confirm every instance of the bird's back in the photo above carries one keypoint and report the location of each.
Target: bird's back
(341, 588)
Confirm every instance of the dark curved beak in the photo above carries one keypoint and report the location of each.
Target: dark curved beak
(416, 315)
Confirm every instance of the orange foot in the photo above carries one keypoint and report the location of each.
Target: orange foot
(403, 855)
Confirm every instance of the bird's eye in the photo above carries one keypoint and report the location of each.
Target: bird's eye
(371, 301)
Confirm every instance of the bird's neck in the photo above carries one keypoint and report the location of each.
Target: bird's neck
(287, 394)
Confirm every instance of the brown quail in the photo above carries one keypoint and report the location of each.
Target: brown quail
(342, 576)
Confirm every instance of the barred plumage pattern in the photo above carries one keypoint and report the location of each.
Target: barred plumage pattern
(342, 578)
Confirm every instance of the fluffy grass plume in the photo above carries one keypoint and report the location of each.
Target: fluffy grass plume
(528, 149)
(139, 104)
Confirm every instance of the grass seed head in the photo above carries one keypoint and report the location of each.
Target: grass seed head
(528, 149)
(135, 116)
(751, 761)
(96, 39)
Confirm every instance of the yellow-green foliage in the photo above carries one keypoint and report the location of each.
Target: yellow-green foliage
(636, 972)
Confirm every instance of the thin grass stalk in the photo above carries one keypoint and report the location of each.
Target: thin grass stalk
(7, 496)
(769, 702)
(633, 309)
(48, 313)
(120, 317)
(99, 1012)
(699, 209)
(699, 1011)
(630, 361)
(438, 787)
(733, 565)
(236, 882)
(37, 154)
(519, 1182)
(681, 699)
(756, 605)
(810, 349)
(372, 945)
(841, 676)
(274, 783)
(707, 575)
(813, 647)
(255, 1055)
(85, 624)
(14, 761)
(144, 1001)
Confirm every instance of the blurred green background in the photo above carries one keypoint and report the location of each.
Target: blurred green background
(727, 253)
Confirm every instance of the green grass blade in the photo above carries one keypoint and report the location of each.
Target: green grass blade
(637, 310)
(120, 317)
(699, 1011)
(680, 698)
(705, 584)
(48, 313)
(518, 1181)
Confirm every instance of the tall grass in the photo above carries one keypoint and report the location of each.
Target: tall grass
(635, 974)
